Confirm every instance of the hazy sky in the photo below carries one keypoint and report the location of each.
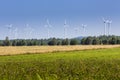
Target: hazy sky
(76, 12)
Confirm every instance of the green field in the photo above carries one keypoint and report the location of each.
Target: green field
(99, 64)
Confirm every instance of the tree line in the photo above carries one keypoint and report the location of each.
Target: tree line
(100, 40)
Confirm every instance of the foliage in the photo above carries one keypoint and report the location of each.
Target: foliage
(52, 42)
(100, 40)
(6, 42)
(65, 42)
(88, 41)
(74, 42)
(105, 40)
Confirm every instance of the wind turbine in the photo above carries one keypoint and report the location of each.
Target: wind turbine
(48, 26)
(109, 25)
(28, 31)
(16, 33)
(84, 28)
(105, 25)
(76, 30)
(9, 28)
(65, 29)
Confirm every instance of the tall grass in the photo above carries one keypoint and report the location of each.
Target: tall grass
(101, 64)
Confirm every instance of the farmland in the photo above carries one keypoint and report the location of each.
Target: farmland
(11, 50)
(92, 64)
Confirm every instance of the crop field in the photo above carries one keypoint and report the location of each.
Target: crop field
(43, 49)
(97, 64)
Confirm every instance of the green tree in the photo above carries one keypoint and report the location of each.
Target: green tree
(95, 41)
(59, 43)
(118, 41)
(21, 43)
(113, 41)
(14, 43)
(105, 41)
(83, 41)
(65, 42)
(88, 41)
(43, 42)
(52, 42)
(1, 43)
(73, 42)
(6, 42)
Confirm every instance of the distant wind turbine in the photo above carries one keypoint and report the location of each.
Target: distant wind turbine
(28, 31)
(9, 27)
(105, 24)
(48, 26)
(109, 25)
(15, 33)
(76, 30)
(84, 28)
(65, 29)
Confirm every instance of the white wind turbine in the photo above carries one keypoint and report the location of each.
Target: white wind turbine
(109, 25)
(28, 31)
(105, 24)
(15, 33)
(9, 27)
(84, 28)
(76, 30)
(48, 26)
(65, 29)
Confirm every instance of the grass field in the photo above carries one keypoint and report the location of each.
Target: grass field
(99, 64)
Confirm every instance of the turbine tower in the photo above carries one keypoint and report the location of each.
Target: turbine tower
(84, 28)
(76, 30)
(48, 26)
(65, 29)
(10, 29)
(15, 33)
(28, 31)
(105, 24)
(109, 25)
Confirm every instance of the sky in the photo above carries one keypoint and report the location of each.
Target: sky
(29, 17)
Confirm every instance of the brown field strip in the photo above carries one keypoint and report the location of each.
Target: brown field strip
(43, 49)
